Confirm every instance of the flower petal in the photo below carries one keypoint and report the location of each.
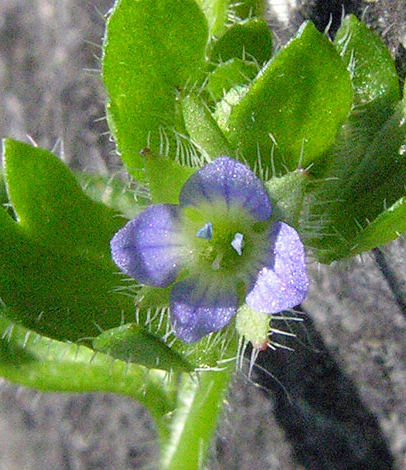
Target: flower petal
(282, 282)
(149, 248)
(230, 181)
(199, 308)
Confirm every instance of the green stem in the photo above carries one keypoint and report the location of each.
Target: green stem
(200, 401)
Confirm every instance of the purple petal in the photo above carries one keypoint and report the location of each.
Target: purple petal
(149, 248)
(230, 181)
(198, 308)
(282, 282)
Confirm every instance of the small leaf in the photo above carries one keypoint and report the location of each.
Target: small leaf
(389, 225)
(347, 206)
(249, 39)
(132, 343)
(376, 92)
(203, 129)
(152, 49)
(295, 106)
(228, 75)
(224, 107)
(373, 69)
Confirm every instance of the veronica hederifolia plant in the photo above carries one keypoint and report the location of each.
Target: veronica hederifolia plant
(253, 157)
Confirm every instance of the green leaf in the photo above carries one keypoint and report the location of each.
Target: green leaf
(376, 92)
(364, 170)
(131, 343)
(380, 176)
(216, 12)
(34, 361)
(56, 273)
(50, 205)
(228, 75)
(152, 49)
(224, 107)
(389, 225)
(61, 295)
(295, 106)
(374, 76)
(249, 39)
(203, 129)
(376, 183)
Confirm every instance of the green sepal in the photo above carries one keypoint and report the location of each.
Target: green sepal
(250, 39)
(165, 177)
(131, 343)
(203, 129)
(151, 50)
(296, 105)
(287, 194)
(228, 75)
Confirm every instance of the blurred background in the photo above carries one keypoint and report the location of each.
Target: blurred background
(337, 402)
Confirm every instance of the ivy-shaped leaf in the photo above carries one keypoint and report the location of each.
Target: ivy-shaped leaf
(56, 275)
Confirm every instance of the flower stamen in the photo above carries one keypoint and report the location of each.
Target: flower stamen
(205, 232)
(238, 243)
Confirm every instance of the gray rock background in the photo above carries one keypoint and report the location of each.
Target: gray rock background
(339, 401)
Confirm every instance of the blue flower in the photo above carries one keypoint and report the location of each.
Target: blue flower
(219, 247)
